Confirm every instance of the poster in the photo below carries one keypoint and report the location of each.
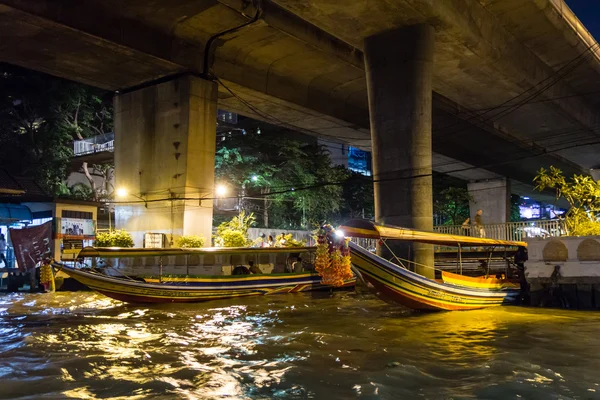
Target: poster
(32, 245)
(74, 228)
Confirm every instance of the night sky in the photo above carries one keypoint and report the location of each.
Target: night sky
(588, 12)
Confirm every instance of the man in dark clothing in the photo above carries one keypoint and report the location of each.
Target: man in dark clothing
(240, 270)
(253, 268)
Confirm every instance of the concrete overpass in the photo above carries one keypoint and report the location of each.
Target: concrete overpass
(515, 82)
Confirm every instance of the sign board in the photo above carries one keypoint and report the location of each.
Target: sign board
(75, 228)
(32, 245)
(154, 240)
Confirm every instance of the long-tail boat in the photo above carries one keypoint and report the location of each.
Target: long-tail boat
(400, 284)
(192, 275)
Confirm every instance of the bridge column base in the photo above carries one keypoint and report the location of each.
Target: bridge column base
(164, 158)
(399, 67)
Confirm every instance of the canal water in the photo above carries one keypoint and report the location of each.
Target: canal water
(341, 346)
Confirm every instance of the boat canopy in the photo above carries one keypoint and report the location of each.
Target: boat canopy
(361, 228)
(115, 252)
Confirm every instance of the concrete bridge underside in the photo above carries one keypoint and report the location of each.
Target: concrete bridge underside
(301, 64)
(515, 82)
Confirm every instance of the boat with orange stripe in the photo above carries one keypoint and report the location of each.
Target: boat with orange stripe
(397, 283)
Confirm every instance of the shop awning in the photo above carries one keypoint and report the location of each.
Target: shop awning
(11, 213)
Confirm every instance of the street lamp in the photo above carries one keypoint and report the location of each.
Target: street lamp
(221, 190)
(123, 192)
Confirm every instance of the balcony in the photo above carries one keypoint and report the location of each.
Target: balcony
(95, 144)
(94, 150)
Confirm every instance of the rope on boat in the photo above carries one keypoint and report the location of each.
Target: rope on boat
(401, 260)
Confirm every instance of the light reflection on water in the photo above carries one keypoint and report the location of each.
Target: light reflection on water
(85, 346)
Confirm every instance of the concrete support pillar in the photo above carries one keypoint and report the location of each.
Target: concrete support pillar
(399, 68)
(493, 198)
(164, 158)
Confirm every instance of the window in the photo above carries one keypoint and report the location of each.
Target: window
(77, 214)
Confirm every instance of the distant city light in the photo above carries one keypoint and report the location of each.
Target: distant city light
(525, 198)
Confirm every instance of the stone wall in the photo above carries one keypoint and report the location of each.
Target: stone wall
(564, 272)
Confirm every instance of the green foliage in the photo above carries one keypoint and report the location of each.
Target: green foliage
(234, 233)
(583, 195)
(190, 241)
(40, 116)
(357, 197)
(515, 211)
(288, 241)
(78, 191)
(114, 238)
(268, 163)
(241, 222)
(452, 205)
(232, 238)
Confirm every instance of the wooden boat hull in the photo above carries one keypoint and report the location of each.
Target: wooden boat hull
(417, 292)
(198, 289)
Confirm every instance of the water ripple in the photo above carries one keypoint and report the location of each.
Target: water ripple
(86, 346)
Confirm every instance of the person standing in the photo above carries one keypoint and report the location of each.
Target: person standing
(3, 250)
(479, 223)
(466, 227)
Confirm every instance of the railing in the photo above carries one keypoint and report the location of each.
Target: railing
(94, 144)
(516, 231)
(508, 231)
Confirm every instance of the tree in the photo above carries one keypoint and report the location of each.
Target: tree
(515, 211)
(357, 197)
(234, 233)
(451, 199)
(452, 205)
(583, 195)
(40, 116)
(272, 170)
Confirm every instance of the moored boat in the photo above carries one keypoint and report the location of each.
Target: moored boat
(193, 275)
(453, 292)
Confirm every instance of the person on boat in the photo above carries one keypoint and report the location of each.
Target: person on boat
(479, 223)
(240, 270)
(297, 265)
(270, 241)
(253, 268)
(263, 240)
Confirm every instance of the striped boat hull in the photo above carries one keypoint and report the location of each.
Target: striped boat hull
(198, 289)
(417, 292)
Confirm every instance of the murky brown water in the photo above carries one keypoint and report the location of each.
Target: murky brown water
(345, 346)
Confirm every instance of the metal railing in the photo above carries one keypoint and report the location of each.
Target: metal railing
(509, 230)
(516, 231)
(94, 144)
